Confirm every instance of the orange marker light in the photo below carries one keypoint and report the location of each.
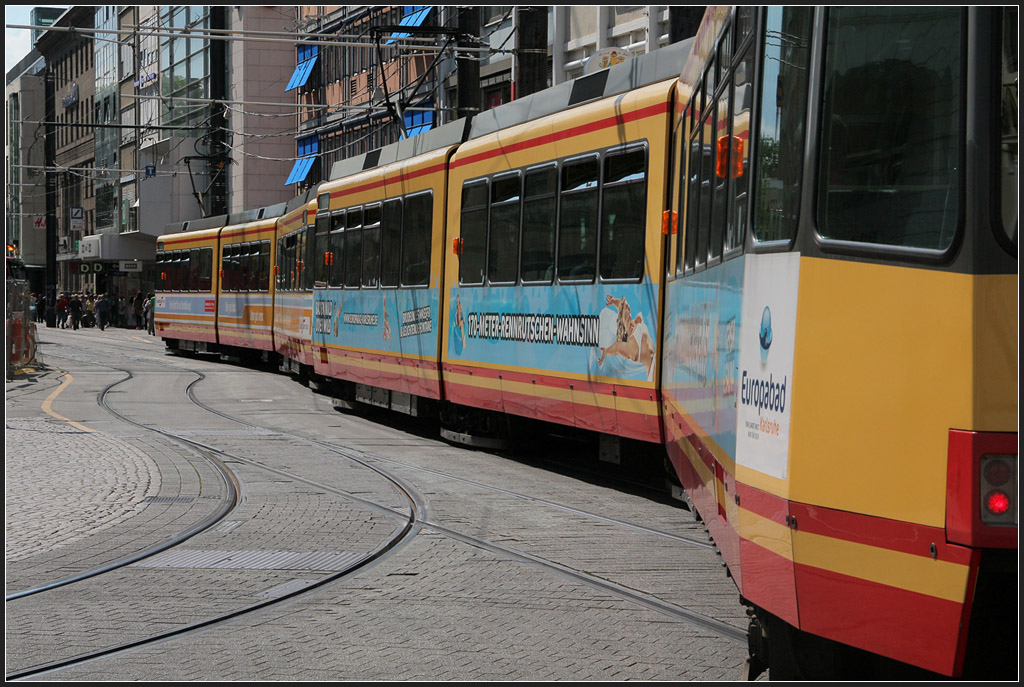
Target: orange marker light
(725, 143)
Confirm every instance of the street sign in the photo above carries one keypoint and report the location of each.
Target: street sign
(77, 218)
(130, 266)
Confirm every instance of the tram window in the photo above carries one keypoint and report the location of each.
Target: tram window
(707, 175)
(371, 246)
(577, 221)
(724, 53)
(282, 264)
(744, 23)
(503, 240)
(721, 148)
(336, 246)
(783, 110)
(225, 268)
(264, 278)
(390, 242)
(322, 264)
(193, 269)
(205, 268)
(891, 126)
(308, 257)
(739, 179)
(473, 233)
(538, 254)
(623, 209)
(1009, 119)
(254, 266)
(416, 232)
(693, 200)
(353, 247)
(245, 259)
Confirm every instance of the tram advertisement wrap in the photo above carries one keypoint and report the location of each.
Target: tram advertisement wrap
(401, 321)
(765, 384)
(607, 330)
(702, 356)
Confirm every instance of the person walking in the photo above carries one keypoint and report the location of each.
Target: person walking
(120, 312)
(89, 316)
(151, 314)
(75, 307)
(62, 311)
(103, 307)
(137, 309)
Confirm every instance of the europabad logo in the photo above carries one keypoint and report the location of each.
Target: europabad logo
(765, 334)
(764, 394)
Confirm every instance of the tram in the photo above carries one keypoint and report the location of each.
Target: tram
(783, 253)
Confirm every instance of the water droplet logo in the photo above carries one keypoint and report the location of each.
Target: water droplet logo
(765, 334)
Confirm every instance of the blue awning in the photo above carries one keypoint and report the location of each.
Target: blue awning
(418, 121)
(300, 170)
(301, 74)
(414, 18)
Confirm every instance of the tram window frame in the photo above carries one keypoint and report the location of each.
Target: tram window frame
(336, 246)
(473, 214)
(264, 269)
(611, 243)
(1008, 61)
(504, 210)
(254, 266)
(417, 239)
(308, 256)
(713, 200)
(193, 270)
(763, 238)
(353, 247)
(226, 278)
(531, 201)
(370, 278)
(323, 232)
(892, 229)
(682, 134)
(391, 242)
(720, 183)
(587, 186)
(206, 269)
(738, 193)
(245, 266)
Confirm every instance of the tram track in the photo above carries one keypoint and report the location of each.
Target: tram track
(402, 534)
(418, 518)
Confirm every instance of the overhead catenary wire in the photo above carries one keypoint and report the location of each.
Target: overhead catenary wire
(324, 40)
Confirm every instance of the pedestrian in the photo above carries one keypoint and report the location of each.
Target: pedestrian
(89, 316)
(151, 314)
(103, 307)
(120, 312)
(62, 311)
(75, 307)
(41, 308)
(137, 309)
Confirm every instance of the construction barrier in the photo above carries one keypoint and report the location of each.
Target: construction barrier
(20, 327)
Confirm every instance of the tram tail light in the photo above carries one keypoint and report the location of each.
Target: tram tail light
(981, 489)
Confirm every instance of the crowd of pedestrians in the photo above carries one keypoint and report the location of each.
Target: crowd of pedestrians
(76, 310)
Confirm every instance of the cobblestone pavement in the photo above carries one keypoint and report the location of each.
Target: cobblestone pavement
(83, 488)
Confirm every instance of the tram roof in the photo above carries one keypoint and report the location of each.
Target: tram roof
(659, 65)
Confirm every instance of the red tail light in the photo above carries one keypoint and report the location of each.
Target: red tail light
(981, 489)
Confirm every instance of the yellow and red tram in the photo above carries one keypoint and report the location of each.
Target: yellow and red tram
(786, 258)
